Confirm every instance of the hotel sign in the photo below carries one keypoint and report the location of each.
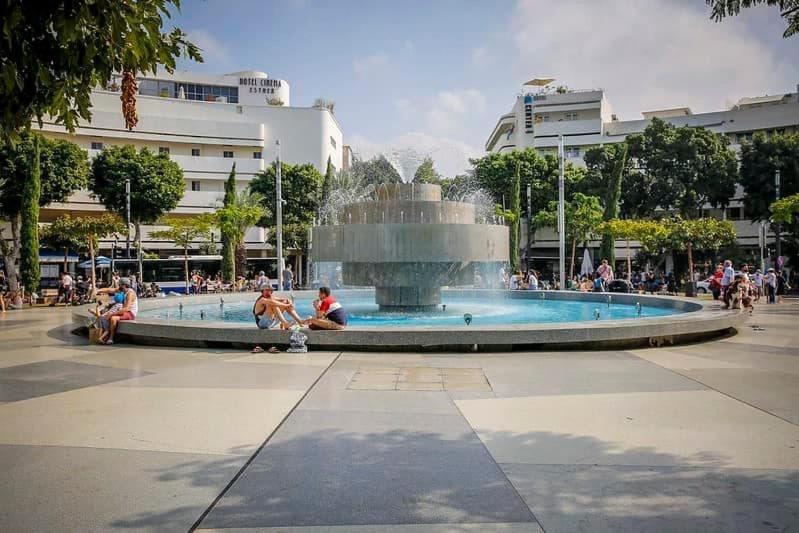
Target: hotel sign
(260, 85)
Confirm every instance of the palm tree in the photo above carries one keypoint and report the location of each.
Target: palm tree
(234, 219)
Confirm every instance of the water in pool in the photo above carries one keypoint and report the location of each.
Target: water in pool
(363, 312)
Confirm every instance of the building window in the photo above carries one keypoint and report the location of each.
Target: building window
(97, 145)
(228, 154)
(163, 150)
(332, 142)
(195, 152)
(545, 118)
(735, 213)
(571, 151)
(256, 155)
(571, 116)
(195, 185)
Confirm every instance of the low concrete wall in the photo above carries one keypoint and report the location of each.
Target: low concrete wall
(700, 320)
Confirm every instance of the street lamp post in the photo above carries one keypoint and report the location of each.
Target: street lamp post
(279, 218)
(529, 224)
(561, 218)
(127, 217)
(778, 227)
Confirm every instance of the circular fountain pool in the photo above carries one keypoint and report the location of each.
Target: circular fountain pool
(501, 320)
(487, 310)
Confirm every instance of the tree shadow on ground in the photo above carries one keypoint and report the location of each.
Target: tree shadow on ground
(331, 477)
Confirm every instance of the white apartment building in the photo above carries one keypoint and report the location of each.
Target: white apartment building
(585, 119)
(206, 123)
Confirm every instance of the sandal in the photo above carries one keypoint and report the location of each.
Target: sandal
(257, 349)
(273, 350)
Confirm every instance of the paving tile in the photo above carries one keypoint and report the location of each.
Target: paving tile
(420, 386)
(212, 421)
(328, 468)
(51, 488)
(663, 499)
(697, 428)
(507, 527)
(22, 382)
(472, 387)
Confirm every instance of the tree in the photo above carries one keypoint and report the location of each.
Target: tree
(698, 234)
(329, 181)
(184, 231)
(789, 10)
(607, 167)
(29, 271)
(156, 184)
(64, 169)
(649, 233)
(583, 216)
(784, 209)
(426, 173)
(375, 171)
(55, 55)
(228, 247)
(689, 167)
(515, 208)
(234, 219)
(60, 235)
(495, 173)
(760, 159)
(301, 186)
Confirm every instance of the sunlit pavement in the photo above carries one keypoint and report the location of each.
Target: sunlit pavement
(702, 437)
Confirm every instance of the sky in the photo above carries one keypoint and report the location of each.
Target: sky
(435, 75)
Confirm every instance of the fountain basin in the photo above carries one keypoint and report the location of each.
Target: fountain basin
(676, 320)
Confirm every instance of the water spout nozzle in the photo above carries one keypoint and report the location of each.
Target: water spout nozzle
(596, 314)
(467, 317)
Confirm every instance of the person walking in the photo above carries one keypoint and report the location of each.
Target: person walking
(782, 286)
(727, 278)
(770, 283)
(288, 278)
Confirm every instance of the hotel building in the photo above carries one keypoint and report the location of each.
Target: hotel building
(585, 118)
(206, 123)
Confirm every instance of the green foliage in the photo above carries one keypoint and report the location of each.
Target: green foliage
(698, 233)
(64, 168)
(760, 160)
(184, 231)
(496, 172)
(426, 173)
(689, 167)
(60, 235)
(29, 234)
(515, 208)
(789, 10)
(329, 181)
(607, 169)
(301, 187)
(375, 171)
(583, 215)
(156, 182)
(234, 219)
(55, 54)
(651, 234)
(785, 209)
(228, 246)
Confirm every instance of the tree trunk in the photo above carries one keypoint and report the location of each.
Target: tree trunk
(66, 259)
(186, 267)
(11, 254)
(574, 251)
(690, 263)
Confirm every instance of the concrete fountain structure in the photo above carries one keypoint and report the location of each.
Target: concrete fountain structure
(407, 242)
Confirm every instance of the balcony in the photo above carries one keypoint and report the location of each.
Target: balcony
(220, 165)
(567, 127)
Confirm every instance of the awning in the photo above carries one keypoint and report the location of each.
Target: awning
(54, 257)
(100, 262)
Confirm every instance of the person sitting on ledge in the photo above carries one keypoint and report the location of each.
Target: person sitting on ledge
(329, 313)
(268, 311)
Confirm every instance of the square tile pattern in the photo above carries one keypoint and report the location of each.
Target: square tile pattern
(420, 378)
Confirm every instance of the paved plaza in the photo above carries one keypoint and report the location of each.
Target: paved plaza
(700, 437)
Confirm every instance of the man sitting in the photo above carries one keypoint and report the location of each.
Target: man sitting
(329, 313)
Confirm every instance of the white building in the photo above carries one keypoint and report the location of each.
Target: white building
(206, 123)
(585, 119)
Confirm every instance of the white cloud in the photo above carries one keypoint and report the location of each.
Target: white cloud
(213, 51)
(646, 55)
(451, 156)
(481, 57)
(448, 109)
(369, 64)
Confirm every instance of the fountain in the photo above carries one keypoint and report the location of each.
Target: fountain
(398, 249)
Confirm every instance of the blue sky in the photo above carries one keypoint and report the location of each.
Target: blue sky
(434, 75)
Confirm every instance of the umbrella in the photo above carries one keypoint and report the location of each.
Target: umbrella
(99, 261)
(588, 265)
